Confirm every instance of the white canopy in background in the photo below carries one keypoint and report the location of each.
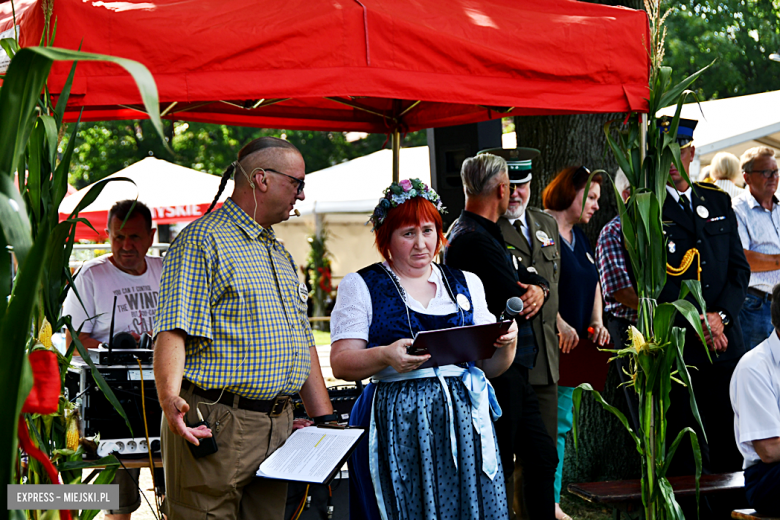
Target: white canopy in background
(355, 186)
(732, 125)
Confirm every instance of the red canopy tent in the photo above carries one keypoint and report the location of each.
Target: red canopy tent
(368, 65)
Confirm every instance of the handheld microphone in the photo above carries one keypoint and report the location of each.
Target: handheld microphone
(514, 306)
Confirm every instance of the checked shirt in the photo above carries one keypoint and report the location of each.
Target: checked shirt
(233, 288)
(611, 261)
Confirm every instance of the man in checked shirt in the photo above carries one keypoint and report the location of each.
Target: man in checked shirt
(620, 299)
(233, 343)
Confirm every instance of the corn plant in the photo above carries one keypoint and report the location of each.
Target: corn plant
(32, 239)
(655, 351)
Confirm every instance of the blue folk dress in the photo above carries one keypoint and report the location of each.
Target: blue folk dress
(428, 454)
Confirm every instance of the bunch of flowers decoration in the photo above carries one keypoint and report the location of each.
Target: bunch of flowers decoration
(398, 193)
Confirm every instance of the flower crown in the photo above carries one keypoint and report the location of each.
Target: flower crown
(398, 193)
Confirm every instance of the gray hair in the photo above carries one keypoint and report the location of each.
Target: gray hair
(480, 174)
(621, 181)
(746, 161)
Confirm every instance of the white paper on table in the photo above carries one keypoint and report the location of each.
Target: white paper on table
(310, 454)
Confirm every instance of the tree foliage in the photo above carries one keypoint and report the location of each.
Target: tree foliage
(739, 34)
(104, 148)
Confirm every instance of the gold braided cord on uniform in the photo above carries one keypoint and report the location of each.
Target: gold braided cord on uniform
(686, 263)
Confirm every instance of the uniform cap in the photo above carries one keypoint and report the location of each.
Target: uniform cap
(684, 129)
(518, 161)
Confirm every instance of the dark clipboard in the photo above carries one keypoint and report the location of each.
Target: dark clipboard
(458, 344)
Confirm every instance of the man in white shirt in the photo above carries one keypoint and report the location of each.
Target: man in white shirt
(758, 215)
(755, 397)
(131, 279)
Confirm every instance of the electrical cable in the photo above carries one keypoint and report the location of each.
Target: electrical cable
(302, 505)
(148, 444)
(138, 485)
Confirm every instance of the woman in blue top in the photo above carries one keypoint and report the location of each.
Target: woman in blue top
(431, 451)
(580, 306)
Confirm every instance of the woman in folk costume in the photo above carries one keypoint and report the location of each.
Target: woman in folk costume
(431, 451)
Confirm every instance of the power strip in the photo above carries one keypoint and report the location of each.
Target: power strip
(129, 446)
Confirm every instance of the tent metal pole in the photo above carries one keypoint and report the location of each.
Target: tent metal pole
(396, 154)
(643, 143)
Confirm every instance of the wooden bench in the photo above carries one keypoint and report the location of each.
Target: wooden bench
(625, 496)
(750, 514)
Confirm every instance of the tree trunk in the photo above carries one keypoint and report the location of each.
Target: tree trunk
(570, 141)
(606, 451)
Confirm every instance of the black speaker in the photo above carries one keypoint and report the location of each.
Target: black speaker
(98, 413)
(449, 147)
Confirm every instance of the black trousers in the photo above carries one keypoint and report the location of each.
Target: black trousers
(521, 432)
(618, 331)
(762, 482)
(719, 451)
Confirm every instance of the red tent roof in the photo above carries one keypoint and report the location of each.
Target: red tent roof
(307, 64)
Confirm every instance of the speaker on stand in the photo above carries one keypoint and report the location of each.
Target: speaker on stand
(448, 147)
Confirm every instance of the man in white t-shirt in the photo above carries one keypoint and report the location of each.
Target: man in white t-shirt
(131, 277)
(755, 397)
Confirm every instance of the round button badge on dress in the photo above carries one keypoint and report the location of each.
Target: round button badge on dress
(463, 302)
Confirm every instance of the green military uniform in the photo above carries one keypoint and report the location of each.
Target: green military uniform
(546, 260)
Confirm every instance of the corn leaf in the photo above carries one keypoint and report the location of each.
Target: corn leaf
(576, 401)
(691, 314)
(674, 93)
(682, 372)
(62, 100)
(15, 372)
(107, 462)
(141, 75)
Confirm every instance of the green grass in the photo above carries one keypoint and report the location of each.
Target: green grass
(321, 338)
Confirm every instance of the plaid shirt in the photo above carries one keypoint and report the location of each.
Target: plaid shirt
(611, 261)
(233, 288)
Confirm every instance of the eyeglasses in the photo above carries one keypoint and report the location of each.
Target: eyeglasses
(301, 183)
(767, 174)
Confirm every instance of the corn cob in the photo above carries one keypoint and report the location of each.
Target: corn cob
(44, 336)
(72, 431)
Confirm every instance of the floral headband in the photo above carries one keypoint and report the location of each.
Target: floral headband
(398, 193)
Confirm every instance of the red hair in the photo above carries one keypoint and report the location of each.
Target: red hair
(562, 190)
(413, 212)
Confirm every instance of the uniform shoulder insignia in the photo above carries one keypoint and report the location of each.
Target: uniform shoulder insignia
(708, 186)
(541, 213)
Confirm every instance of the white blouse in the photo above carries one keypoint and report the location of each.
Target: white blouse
(351, 317)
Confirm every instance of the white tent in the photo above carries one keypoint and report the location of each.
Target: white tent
(732, 125)
(355, 186)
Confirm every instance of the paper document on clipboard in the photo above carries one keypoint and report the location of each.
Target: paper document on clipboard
(311, 454)
(458, 344)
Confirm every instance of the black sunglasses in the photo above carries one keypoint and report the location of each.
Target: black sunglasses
(301, 183)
